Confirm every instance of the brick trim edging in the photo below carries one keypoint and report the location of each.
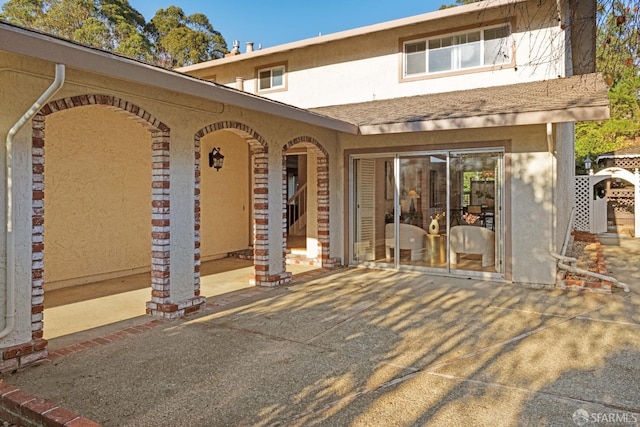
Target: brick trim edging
(24, 409)
(578, 282)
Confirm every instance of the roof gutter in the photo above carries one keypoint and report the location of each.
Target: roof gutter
(491, 120)
(10, 319)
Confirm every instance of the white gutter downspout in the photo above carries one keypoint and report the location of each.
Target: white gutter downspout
(570, 267)
(10, 283)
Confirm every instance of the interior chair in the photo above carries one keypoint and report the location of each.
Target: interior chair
(467, 239)
(411, 238)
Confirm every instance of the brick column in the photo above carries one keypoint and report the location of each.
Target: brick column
(161, 303)
(262, 274)
(17, 356)
(196, 209)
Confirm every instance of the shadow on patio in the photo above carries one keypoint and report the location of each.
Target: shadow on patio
(360, 347)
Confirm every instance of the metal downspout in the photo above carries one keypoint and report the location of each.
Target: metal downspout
(10, 282)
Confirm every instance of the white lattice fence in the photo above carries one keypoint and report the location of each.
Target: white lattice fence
(581, 202)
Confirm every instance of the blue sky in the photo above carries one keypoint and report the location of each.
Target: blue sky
(275, 23)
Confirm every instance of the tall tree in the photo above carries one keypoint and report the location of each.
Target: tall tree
(618, 59)
(180, 40)
(171, 39)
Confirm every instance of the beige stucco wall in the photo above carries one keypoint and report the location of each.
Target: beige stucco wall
(185, 116)
(530, 229)
(368, 67)
(224, 196)
(98, 196)
(565, 185)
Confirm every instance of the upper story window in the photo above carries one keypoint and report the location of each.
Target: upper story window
(271, 78)
(479, 48)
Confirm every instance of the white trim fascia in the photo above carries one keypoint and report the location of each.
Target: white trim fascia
(41, 46)
(470, 9)
(617, 156)
(493, 120)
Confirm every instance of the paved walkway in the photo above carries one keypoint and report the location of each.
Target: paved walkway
(369, 348)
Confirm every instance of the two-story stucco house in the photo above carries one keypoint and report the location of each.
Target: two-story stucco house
(440, 143)
(465, 117)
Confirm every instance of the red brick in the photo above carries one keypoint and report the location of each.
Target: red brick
(13, 401)
(168, 308)
(10, 418)
(6, 388)
(33, 409)
(19, 350)
(81, 422)
(40, 344)
(58, 417)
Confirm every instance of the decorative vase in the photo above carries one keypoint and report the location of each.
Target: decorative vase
(434, 227)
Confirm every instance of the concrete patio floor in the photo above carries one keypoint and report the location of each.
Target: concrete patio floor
(88, 310)
(360, 347)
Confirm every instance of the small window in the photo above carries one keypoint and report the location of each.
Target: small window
(472, 49)
(271, 78)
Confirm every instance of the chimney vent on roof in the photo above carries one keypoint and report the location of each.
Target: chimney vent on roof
(235, 50)
(249, 47)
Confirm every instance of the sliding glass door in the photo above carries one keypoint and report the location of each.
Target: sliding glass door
(422, 209)
(437, 211)
(475, 205)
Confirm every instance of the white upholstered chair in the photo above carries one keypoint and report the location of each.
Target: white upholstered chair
(468, 239)
(411, 238)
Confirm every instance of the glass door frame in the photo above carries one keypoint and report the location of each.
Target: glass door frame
(395, 262)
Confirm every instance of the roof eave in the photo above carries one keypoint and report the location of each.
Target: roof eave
(472, 8)
(31, 44)
(575, 114)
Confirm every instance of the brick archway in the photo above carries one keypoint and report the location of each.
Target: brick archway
(322, 176)
(160, 303)
(260, 154)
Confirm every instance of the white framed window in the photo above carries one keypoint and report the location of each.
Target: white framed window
(479, 48)
(271, 78)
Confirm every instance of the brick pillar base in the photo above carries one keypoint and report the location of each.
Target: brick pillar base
(271, 281)
(175, 310)
(21, 355)
(331, 262)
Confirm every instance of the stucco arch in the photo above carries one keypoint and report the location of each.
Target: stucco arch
(160, 303)
(259, 153)
(322, 177)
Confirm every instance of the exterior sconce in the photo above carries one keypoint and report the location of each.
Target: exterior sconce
(587, 165)
(216, 159)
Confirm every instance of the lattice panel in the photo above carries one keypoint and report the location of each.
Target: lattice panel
(581, 203)
(623, 205)
(627, 163)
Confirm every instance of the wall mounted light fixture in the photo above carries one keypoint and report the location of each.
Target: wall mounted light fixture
(216, 159)
(587, 165)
